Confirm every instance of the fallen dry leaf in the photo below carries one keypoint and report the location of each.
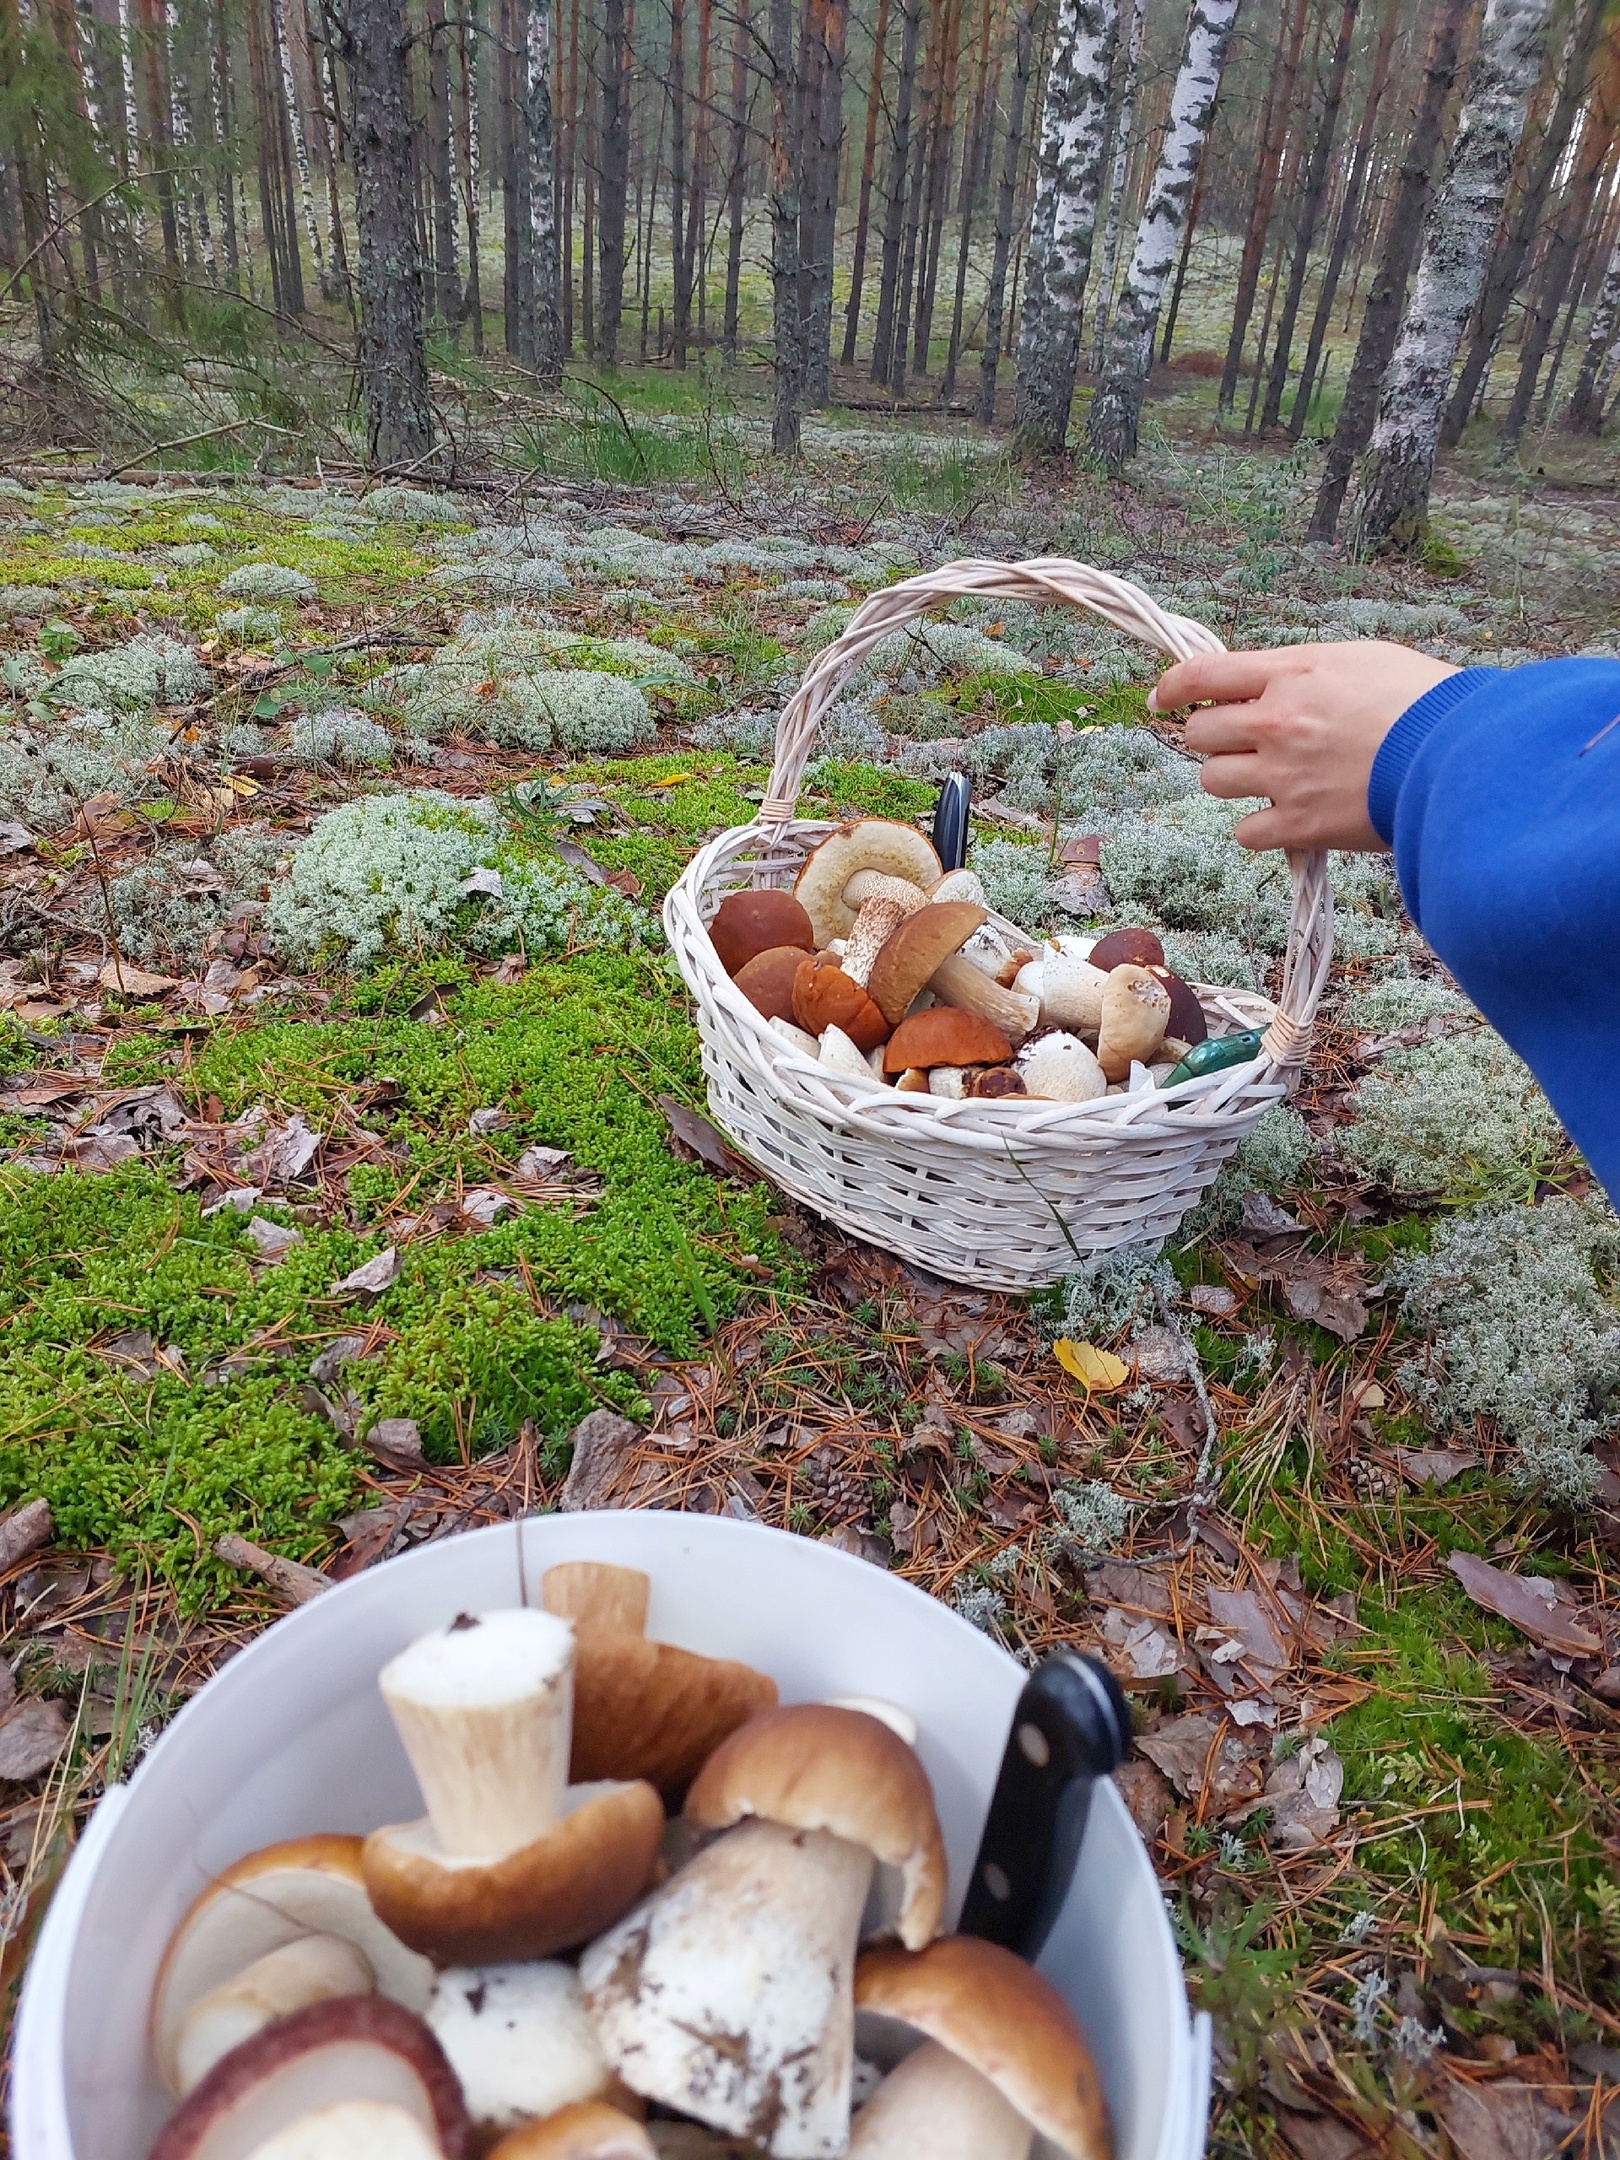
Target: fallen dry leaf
(274, 1240)
(1526, 1602)
(131, 981)
(31, 1738)
(1098, 1371)
(372, 1277)
(1435, 1466)
(705, 1141)
(602, 1443)
(1502, 2120)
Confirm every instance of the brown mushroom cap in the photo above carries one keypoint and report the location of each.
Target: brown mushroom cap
(359, 2048)
(1141, 947)
(915, 948)
(816, 1767)
(824, 996)
(899, 851)
(999, 2015)
(993, 1083)
(746, 923)
(945, 1035)
(551, 1894)
(766, 981)
(1188, 1022)
(588, 2130)
(643, 1709)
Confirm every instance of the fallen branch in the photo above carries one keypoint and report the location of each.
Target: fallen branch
(288, 1578)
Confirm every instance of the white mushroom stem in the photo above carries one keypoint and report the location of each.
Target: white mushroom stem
(935, 2103)
(315, 1968)
(518, 2039)
(875, 885)
(958, 982)
(949, 1082)
(959, 885)
(728, 1993)
(839, 1054)
(1070, 990)
(485, 1710)
(350, 2130)
(988, 950)
(874, 925)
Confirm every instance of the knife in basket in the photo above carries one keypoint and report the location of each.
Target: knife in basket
(1070, 1728)
(951, 821)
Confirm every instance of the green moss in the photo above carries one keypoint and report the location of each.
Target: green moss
(855, 790)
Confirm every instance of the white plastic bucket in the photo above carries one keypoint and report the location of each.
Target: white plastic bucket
(291, 1737)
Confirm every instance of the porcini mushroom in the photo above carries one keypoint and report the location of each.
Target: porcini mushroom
(748, 923)
(1140, 947)
(839, 1054)
(874, 885)
(795, 1037)
(767, 980)
(1188, 1021)
(1135, 1019)
(957, 981)
(982, 2010)
(1070, 989)
(355, 2079)
(726, 1994)
(643, 1709)
(824, 996)
(996, 1083)
(1060, 1068)
(303, 1886)
(589, 2130)
(869, 933)
(511, 1861)
(915, 949)
(988, 951)
(959, 885)
(944, 1035)
(898, 851)
(311, 1969)
(518, 2039)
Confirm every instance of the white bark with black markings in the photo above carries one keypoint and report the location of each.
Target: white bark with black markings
(548, 345)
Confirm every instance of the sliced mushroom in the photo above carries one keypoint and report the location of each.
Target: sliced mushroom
(355, 2079)
(511, 1860)
(944, 1035)
(304, 1886)
(870, 932)
(959, 885)
(824, 996)
(1060, 1068)
(518, 2039)
(913, 1081)
(590, 2130)
(767, 980)
(1135, 1020)
(957, 981)
(314, 1968)
(726, 1993)
(916, 948)
(989, 951)
(643, 1709)
(1008, 2025)
(949, 1082)
(898, 851)
(996, 1083)
(747, 923)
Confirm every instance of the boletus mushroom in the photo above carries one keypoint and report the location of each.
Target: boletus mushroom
(519, 2041)
(259, 1904)
(643, 1709)
(944, 1035)
(589, 2130)
(1135, 1019)
(1002, 2060)
(957, 981)
(1115, 947)
(727, 1993)
(1060, 1068)
(355, 2079)
(825, 996)
(767, 980)
(511, 1861)
(897, 851)
(1070, 989)
(915, 949)
(748, 923)
(310, 1969)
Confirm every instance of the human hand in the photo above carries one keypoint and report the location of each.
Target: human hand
(1302, 725)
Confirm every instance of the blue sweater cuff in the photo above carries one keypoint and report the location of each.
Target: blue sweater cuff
(1407, 737)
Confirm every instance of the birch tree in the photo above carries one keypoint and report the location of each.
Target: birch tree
(548, 337)
(1058, 262)
(1393, 501)
(1116, 409)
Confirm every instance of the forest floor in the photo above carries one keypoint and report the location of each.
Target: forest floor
(325, 1225)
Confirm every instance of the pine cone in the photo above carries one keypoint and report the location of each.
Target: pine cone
(837, 1491)
(1372, 1480)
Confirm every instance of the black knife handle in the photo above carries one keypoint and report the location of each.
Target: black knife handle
(1071, 1727)
(951, 821)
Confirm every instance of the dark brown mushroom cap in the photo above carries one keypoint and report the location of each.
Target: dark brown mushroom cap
(1139, 947)
(746, 923)
(914, 949)
(993, 1083)
(766, 981)
(274, 2079)
(945, 1035)
(1187, 1022)
(824, 996)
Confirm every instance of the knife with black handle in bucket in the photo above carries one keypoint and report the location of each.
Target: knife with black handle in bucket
(1070, 1728)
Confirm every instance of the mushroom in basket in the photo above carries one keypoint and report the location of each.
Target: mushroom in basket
(590, 2130)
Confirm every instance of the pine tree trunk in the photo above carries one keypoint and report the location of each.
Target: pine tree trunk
(1111, 429)
(1557, 268)
(1392, 503)
(548, 343)
(613, 177)
(154, 58)
(921, 137)
(894, 212)
(468, 145)
(1121, 124)
(446, 273)
(1065, 222)
(939, 187)
(374, 39)
(1310, 212)
(874, 98)
(1381, 317)
(973, 162)
(677, 177)
(736, 175)
(1006, 203)
(295, 141)
(826, 33)
(1524, 221)
(1274, 133)
(1602, 354)
(787, 329)
(697, 242)
(1349, 217)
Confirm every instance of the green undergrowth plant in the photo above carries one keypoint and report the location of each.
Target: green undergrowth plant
(1458, 1117)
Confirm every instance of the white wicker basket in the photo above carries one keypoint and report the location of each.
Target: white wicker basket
(1004, 1194)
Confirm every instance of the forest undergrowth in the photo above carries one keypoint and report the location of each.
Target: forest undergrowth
(353, 1151)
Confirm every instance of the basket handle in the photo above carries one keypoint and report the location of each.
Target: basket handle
(1048, 580)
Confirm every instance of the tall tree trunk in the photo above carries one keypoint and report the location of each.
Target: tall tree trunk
(939, 188)
(280, 241)
(826, 32)
(548, 341)
(1111, 428)
(1006, 203)
(295, 151)
(697, 241)
(1310, 212)
(613, 178)
(1558, 265)
(1602, 354)
(1381, 317)
(220, 85)
(468, 161)
(570, 170)
(154, 59)
(1274, 134)
(1194, 208)
(788, 332)
(1525, 220)
(374, 39)
(1060, 240)
(874, 100)
(1349, 217)
(1392, 503)
(446, 272)
(679, 260)
(894, 209)
(922, 135)
(1127, 71)
(736, 175)
(973, 162)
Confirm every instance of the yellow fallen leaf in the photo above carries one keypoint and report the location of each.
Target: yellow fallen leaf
(674, 780)
(240, 784)
(1095, 1369)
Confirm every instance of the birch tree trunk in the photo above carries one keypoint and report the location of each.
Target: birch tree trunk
(1073, 132)
(1123, 123)
(1392, 504)
(787, 328)
(1111, 428)
(374, 39)
(1602, 354)
(1006, 202)
(548, 337)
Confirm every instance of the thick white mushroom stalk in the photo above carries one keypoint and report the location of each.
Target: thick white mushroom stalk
(938, 2105)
